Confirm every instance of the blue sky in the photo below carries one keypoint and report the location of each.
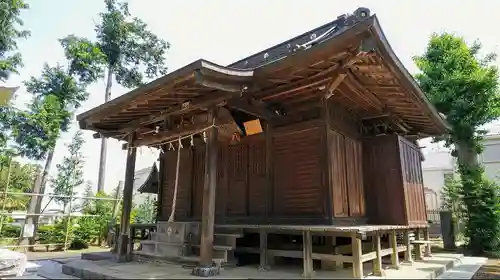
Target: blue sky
(224, 31)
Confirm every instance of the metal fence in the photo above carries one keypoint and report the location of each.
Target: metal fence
(433, 215)
(67, 213)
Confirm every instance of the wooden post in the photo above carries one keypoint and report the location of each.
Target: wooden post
(408, 257)
(329, 248)
(377, 262)
(264, 263)
(418, 249)
(394, 245)
(307, 254)
(427, 248)
(327, 161)
(206, 267)
(357, 265)
(269, 170)
(123, 249)
(161, 182)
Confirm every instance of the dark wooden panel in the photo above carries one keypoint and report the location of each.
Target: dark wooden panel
(353, 158)
(237, 180)
(198, 181)
(343, 121)
(183, 198)
(222, 180)
(383, 182)
(339, 180)
(257, 177)
(413, 182)
(298, 174)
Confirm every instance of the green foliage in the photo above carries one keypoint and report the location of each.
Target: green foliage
(461, 85)
(56, 95)
(451, 196)
(70, 171)
(10, 231)
(10, 31)
(103, 211)
(56, 233)
(464, 87)
(21, 180)
(124, 46)
(145, 212)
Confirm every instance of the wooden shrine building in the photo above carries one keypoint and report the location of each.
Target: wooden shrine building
(314, 136)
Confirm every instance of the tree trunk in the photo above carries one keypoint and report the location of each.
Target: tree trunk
(36, 201)
(468, 162)
(104, 145)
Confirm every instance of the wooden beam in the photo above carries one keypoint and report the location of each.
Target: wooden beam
(252, 107)
(209, 192)
(168, 135)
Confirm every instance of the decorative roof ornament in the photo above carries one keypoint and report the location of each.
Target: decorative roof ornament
(304, 41)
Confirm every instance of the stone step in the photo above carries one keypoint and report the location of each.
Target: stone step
(228, 234)
(217, 247)
(196, 259)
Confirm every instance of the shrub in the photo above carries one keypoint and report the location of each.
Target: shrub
(10, 231)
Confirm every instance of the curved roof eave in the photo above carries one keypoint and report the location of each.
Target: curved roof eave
(203, 66)
(388, 53)
(144, 187)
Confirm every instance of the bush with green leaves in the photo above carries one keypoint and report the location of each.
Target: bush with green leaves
(10, 231)
(56, 233)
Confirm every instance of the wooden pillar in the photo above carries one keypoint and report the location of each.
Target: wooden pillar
(307, 254)
(269, 171)
(418, 249)
(264, 256)
(394, 245)
(357, 265)
(427, 248)
(408, 257)
(161, 182)
(206, 267)
(377, 262)
(123, 249)
(327, 164)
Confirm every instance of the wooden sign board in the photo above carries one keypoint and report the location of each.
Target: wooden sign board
(253, 127)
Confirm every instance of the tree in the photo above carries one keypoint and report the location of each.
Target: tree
(464, 87)
(125, 49)
(146, 212)
(10, 31)
(70, 171)
(56, 95)
(20, 181)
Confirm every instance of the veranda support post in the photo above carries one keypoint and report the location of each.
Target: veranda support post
(123, 242)
(206, 267)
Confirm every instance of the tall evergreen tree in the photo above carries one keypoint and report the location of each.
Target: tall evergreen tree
(125, 49)
(70, 171)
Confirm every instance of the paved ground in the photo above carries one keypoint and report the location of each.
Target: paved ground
(465, 269)
(107, 269)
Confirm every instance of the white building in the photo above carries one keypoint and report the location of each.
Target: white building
(439, 164)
